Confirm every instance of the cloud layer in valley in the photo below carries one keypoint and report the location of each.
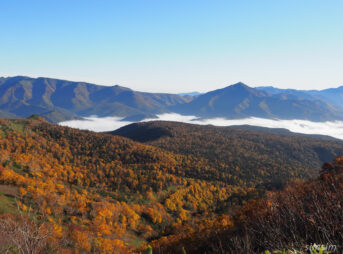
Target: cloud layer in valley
(334, 129)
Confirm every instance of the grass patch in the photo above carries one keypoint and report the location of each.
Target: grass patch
(17, 126)
(136, 243)
(7, 204)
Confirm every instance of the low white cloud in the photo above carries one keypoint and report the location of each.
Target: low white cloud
(97, 124)
(334, 129)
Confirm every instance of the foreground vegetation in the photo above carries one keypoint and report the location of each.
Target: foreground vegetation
(293, 219)
(103, 193)
(69, 191)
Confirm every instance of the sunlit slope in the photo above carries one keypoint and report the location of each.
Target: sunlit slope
(110, 191)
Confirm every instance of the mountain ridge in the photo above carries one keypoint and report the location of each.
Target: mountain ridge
(24, 96)
(59, 100)
(234, 146)
(241, 101)
(332, 96)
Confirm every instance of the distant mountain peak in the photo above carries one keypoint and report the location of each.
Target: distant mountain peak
(240, 84)
(241, 88)
(237, 85)
(122, 88)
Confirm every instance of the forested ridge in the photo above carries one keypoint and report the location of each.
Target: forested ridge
(89, 192)
(238, 155)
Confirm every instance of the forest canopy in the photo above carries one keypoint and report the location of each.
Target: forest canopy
(95, 192)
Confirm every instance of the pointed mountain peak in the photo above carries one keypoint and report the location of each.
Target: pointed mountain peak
(239, 89)
(239, 85)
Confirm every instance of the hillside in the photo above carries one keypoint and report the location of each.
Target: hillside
(60, 100)
(241, 101)
(101, 193)
(251, 157)
(303, 218)
(333, 96)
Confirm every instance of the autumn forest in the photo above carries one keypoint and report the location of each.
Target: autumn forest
(166, 186)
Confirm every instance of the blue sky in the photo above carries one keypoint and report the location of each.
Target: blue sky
(175, 45)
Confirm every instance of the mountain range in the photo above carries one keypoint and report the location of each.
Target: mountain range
(241, 101)
(333, 96)
(60, 100)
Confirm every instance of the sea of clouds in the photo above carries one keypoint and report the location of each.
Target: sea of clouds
(334, 129)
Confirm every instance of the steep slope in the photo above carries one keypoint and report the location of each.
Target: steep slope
(240, 101)
(24, 96)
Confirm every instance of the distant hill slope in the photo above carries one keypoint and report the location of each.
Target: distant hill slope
(58, 100)
(240, 101)
(190, 94)
(61, 100)
(4, 114)
(281, 131)
(333, 96)
(239, 154)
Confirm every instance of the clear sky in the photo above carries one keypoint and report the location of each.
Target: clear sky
(175, 45)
